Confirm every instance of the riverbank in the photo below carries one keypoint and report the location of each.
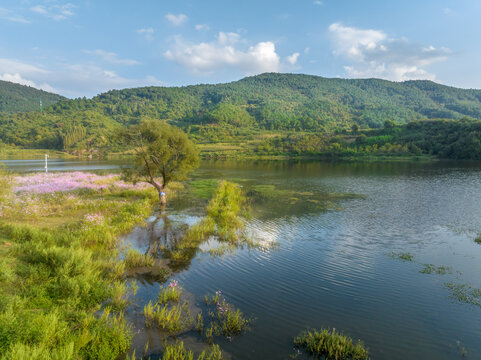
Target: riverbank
(62, 283)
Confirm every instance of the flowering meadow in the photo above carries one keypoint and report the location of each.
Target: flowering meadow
(63, 289)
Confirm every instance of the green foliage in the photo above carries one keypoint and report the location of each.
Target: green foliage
(134, 259)
(16, 97)
(237, 112)
(161, 151)
(433, 269)
(331, 345)
(169, 318)
(178, 352)
(402, 256)
(477, 240)
(465, 293)
(60, 297)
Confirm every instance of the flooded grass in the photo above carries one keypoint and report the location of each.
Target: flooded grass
(477, 240)
(403, 256)
(134, 259)
(331, 345)
(178, 352)
(439, 270)
(222, 319)
(171, 293)
(464, 293)
(203, 189)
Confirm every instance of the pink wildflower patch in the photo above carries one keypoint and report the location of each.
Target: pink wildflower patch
(42, 183)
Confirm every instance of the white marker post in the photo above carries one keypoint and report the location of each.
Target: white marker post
(46, 163)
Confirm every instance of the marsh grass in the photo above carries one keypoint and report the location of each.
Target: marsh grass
(403, 256)
(331, 345)
(477, 240)
(222, 318)
(170, 318)
(465, 293)
(170, 293)
(178, 352)
(60, 278)
(134, 259)
(439, 270)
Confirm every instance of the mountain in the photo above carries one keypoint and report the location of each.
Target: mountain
(16, 97)
(266, 102)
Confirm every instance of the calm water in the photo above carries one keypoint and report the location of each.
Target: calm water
(333, 269)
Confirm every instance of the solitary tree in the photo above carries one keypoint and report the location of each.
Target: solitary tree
(163, 153)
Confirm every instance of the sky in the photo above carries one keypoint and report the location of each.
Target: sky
(85, 47)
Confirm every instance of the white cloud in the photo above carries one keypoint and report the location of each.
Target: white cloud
(176, 20)
(71, 80)
(56, 11)
(111, 57)
(292, 59)
(11, 16)
(201, 27)
(148, 33)
(228, 51)
(307, 50)
(374, 54)
(317, 2)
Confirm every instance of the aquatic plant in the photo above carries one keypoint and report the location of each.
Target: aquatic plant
(440, 270)
(178, 352)
(134, 259)
(331, 345)
(465, 293)
(404, 256)
(171, 293)
(168, 318)
(225, 319)
(477, 240)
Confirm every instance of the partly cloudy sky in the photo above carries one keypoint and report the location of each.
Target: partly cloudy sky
(84, 47)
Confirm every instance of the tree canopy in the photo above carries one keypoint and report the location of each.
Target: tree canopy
(161, 151)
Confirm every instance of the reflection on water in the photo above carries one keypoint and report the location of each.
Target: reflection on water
(331, 265)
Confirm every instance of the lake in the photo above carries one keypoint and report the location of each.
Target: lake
(333, 266)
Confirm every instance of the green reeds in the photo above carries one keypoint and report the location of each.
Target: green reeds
(134, 259)
(168, 318)
(331, 345)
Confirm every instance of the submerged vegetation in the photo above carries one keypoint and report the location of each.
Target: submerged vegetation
(331, 345)
(403, 256)
(439, 270)
(465, 293)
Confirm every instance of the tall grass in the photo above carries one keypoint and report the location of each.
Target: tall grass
(61, 287)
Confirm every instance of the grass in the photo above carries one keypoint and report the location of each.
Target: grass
(171, 293)
(477, 240)
(222, 318)
(61, 293)
(439, 270)
(331, 345)
(172, 319)
(178, 352)
(403, 256)
(465, 293)
(134, 259)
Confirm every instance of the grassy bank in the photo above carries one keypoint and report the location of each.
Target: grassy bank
(62, 287)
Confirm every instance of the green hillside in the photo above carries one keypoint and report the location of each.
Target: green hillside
(16, 97)
(245, 111)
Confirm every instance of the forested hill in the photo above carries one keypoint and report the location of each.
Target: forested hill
(16, 97)
(270, 102)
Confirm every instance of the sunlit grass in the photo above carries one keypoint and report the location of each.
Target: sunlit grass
(331, 345)
(134, 259)
(61, 286)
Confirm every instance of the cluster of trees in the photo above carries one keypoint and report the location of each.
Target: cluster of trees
(16, 97)
(228, 112)
(448, 139)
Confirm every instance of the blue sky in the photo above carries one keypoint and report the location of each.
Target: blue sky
(82, 48)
